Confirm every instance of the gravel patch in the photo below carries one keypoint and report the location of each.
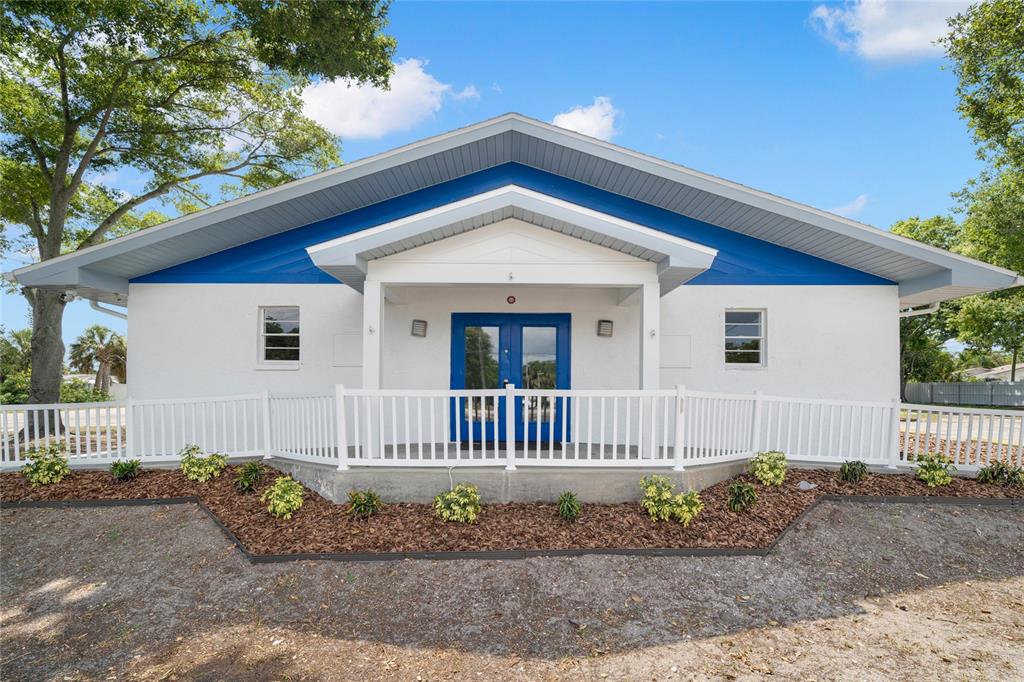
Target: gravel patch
(853, 591)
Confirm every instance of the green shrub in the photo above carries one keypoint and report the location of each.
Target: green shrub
(853, 472)
(1001, 473)
(284, 498)
(769, 467)
(935, 470)
(687, 506)
(199, 468)
(569, 507)
(460, 504)
(662, 502)
(363, 504)
(125, 469)
(742, 496)
(47, 465)
(249, 476)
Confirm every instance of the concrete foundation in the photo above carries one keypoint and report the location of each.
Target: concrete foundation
(538, 484)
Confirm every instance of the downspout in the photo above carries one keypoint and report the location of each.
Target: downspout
(96, 306)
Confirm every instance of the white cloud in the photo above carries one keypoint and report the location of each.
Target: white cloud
(361, 111)
(597, 120)
(853, 208)
(468, 92)
(883, 30)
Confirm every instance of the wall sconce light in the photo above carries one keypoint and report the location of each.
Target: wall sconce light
(604, 327)
(419, 328)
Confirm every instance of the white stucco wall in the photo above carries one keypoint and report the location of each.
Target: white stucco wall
(823, 341)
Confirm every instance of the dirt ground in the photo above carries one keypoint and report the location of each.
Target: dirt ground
(853, 591)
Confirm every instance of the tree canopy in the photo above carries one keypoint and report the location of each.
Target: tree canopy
(172, 92)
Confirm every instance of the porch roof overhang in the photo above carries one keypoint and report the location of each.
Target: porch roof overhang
(677, 260)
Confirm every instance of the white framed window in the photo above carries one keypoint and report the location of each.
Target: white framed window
(745, 338)
(279, 334)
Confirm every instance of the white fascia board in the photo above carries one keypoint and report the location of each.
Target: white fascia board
(346, 254)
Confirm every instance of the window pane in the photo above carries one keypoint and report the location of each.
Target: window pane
(743, 357)
(481, 357)
(282, 354)
(276, 341)
(740, 317)
(743, 330)
(281, 320)
(743, 344)
(539, 365)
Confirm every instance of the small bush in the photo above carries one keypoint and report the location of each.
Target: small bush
(569, 507)
(687, 506)
(46, 465)
(460, 504)
(199, 468)
(742, 496)
(125, 469)
(662, 502)
(769, 467)
(284, 498)
(853, 472)
(249, 476)
(935, 470)
(363, 504)
(1001, 473)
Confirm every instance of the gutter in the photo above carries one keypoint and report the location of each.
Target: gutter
(912, 312)
(96, 306)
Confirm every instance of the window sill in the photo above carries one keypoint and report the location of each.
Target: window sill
(746, 368)
(277, 367)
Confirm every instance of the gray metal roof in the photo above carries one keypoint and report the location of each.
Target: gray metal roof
(925, 274)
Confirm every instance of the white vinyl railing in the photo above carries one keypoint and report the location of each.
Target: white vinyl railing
(968, 436)
(514, 427)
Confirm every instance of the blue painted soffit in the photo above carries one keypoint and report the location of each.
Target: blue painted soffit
(282, 258)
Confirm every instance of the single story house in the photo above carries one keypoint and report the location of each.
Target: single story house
(515, 252)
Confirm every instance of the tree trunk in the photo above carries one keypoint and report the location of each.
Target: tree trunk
(103, 377)
(1013, 365)
(47, 363)
(47, 346)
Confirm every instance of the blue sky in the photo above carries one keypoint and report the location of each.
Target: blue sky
(844, 107)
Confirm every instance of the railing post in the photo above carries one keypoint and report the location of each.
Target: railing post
(755, 427)
(129, 428)
(677, 448)
(510, 427)
(894, 434)
(265, 405)
(339, 408)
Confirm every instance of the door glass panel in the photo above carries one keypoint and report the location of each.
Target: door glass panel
(539, 348)
(481, 371)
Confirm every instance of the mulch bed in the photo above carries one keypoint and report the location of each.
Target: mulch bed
(324, 527)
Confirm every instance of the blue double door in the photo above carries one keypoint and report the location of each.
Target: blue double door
(491, 350)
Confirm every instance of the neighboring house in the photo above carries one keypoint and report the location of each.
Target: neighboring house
(118, 391)
(1001, 373)
(515, 251)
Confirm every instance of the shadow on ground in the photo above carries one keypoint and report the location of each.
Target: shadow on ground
(158, 592)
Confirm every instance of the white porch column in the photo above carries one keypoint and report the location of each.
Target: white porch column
(373, 301)
(650, 335)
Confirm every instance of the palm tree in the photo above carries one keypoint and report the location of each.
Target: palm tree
(15, 351)
(99, 346)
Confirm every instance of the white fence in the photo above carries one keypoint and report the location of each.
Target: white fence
(979, 393)
(514, 427)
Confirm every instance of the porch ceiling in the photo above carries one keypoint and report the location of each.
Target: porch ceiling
(347, 258)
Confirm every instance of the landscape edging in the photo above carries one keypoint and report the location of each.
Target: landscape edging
(515, 554)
